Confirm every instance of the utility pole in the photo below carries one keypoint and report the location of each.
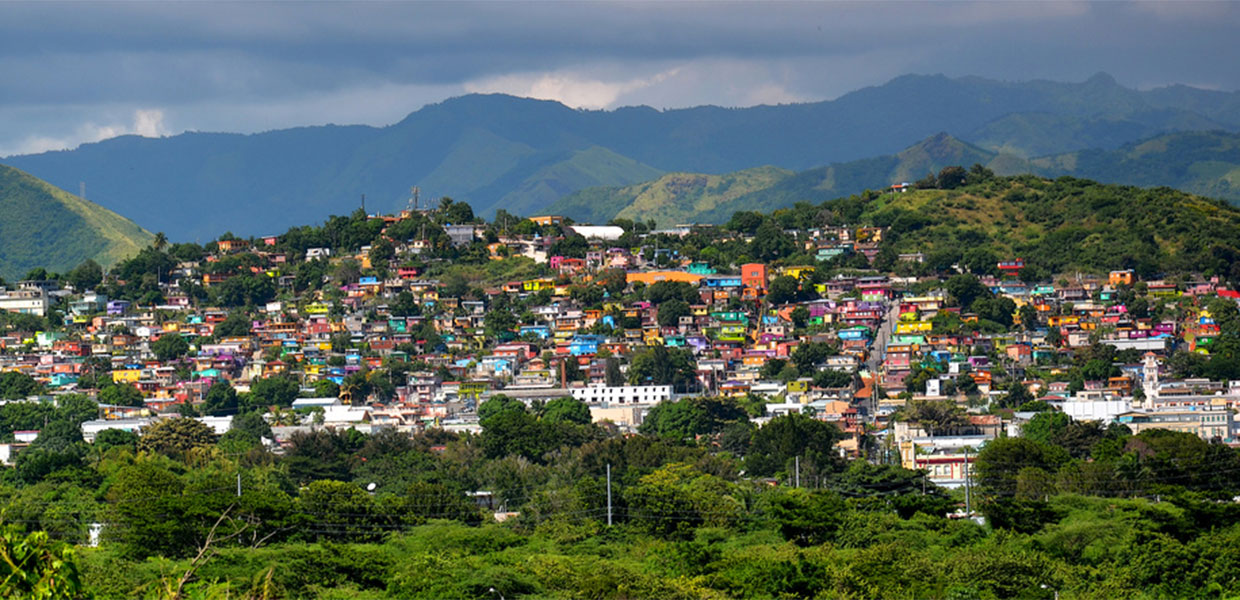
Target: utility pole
(609, 494)
(968, 507)
(238, 484)
(798, 470)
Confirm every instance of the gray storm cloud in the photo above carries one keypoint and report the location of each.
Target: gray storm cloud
(77, 71)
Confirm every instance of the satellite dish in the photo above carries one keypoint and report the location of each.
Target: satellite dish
(370, 487)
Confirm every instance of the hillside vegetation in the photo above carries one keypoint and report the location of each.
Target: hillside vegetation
(1204, 163)
(519, 154)
(44, 226)
(1055, 225)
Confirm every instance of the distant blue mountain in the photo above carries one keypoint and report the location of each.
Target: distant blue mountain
(522, 155)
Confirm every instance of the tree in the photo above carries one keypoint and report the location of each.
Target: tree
(170, 346)
(566, 410)
(235, 325)
(572, 245)
(76, 409)
(115, 438)
(252, 425)
(936, 416)
(783, 289)
(500, 324)
(86, 276)
(611, 372)
(671, 311)
(952, 177)
(613, 280)
(964, 289)
(146, 506)
(1045, 427)
(808, 518)
(691, 417)
(677, 498)
(175, 437)
(808, 355)
(319, 454)
(381, 251)
(770, 242)
(33, 566)
(326, 388)
(15, 385)
(787, 437)
(1017, 394)
(663, 291)
(1000, 461)
(221, 400)
(342, 511)
(800, 317)
(663, 366)
(273, 391)
(831, 378)
(121, 394)
(497, 404)
(1028, 317)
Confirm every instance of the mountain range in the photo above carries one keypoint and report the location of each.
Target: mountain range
(1205, 163)
(523, 155)
(43, 226)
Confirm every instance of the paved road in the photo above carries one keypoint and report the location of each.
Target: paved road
(878, 348)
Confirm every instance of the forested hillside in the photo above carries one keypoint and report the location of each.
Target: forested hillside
(1054, 225)
(42, 226)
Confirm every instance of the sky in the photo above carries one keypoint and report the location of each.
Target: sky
(77, 72)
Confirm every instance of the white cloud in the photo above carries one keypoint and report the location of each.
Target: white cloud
(569, 88)
(145, 122)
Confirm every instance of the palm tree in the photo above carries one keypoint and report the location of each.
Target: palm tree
(160, 242)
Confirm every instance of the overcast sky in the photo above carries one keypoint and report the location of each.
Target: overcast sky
(79, 72)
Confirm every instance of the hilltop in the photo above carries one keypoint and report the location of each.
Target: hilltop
(1204, 163)
(43, 226)
(1054, 225)
(497, 151)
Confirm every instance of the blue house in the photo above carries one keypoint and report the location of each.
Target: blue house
(540, 331)
(584, 344)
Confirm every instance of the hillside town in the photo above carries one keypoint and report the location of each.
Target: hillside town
(410, 322)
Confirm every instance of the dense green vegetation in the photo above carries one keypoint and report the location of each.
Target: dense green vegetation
(44, 227)
(703, 505)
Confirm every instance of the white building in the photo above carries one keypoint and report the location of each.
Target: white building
(609, 233)
(29, 301)
(92, 428)
(622, 394)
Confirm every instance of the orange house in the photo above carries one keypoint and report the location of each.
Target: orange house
(753, 275)
(652, 277)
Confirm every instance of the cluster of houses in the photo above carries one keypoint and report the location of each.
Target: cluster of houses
(882, 331)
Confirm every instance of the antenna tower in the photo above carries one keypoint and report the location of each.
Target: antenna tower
(413, 199)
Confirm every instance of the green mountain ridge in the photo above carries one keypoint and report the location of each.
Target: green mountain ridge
(44, 226)
(519, 154)
(1204, 163)
(1055, 225)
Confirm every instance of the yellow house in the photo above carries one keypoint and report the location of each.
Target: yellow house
(914, 327)
(126, 375)
(799, 272)
(534, 285)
